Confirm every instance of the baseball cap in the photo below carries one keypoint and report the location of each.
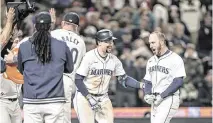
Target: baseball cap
(71, 17)
(43, 17)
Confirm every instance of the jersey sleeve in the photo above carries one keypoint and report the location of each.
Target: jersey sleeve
(147, 76)
(83, 68)
(55, 35)
(179, 70)
(119, 70)
(83, 50)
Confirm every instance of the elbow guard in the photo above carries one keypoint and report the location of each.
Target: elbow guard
(122, 80)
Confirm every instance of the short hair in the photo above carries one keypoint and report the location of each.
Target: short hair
(162, 37)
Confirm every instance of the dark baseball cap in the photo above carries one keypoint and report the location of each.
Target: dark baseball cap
(71, 17)
(43, 17)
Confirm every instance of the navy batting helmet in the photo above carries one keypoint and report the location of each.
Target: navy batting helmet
(71, 17)
(104, 35)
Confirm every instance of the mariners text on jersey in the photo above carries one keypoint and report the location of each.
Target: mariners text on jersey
(70, 39)
(159, 68)
(101, 72)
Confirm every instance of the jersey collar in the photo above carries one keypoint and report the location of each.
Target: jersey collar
(167, 53)
(100, 58)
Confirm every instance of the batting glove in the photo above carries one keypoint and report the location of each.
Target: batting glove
(93, 103)
(158, 100)
(149, 98)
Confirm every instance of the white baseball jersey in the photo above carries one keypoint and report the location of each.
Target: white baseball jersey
(8, 88)
(74, 42)
(161, 71)
(98, 71)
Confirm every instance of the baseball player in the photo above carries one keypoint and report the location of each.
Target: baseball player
(91, 101)
(164, 76)
(42, 60)
(9, 91)
(9, 103)
(68, 34)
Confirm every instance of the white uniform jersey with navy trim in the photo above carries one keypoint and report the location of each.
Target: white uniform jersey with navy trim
(8, 88)
(74, 42)
(98, 71)
(161, 71)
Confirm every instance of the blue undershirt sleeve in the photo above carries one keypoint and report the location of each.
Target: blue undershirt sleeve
(131, 82)
(80, 85)
(173, 87)
(127, 81)
(148, 87)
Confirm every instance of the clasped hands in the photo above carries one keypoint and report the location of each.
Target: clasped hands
(153, 99)
(95, 105)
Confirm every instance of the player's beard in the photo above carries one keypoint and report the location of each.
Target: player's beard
(158, 53)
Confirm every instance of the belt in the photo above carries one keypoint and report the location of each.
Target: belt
(12, 99)
(97, 95)
(155, 93)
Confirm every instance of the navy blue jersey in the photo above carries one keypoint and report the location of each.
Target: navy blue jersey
(43, 83)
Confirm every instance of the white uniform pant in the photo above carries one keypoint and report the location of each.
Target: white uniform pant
(166, 110)
(69, 88)
(44, 113)
(87, 115)
(10, 111)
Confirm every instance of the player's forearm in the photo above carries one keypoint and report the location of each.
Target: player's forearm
(131, 82)
(5, 35)
(80, 85)
(173, 87)
(148, 87)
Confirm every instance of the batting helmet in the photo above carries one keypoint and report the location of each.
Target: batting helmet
(71, 17)
(43, 17)
(104, 35)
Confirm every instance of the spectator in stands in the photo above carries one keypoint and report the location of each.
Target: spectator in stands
(144, 12)
(140, 48)
(178, 35)
(193, 66)
(204, 44)
(205, 90)
(125, 97)
(161, 13)
(174, 17)
(140, 65)
(123, 29)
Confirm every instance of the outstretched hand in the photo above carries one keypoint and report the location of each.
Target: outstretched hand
(53, 15)
(10, 15)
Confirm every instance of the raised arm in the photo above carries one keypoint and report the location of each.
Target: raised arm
(5, 35)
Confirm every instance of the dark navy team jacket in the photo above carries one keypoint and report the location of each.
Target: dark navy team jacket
(43, 83)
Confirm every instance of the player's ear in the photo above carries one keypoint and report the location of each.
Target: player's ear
(162, 42)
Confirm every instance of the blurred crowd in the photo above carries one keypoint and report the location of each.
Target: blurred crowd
(187, 25)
